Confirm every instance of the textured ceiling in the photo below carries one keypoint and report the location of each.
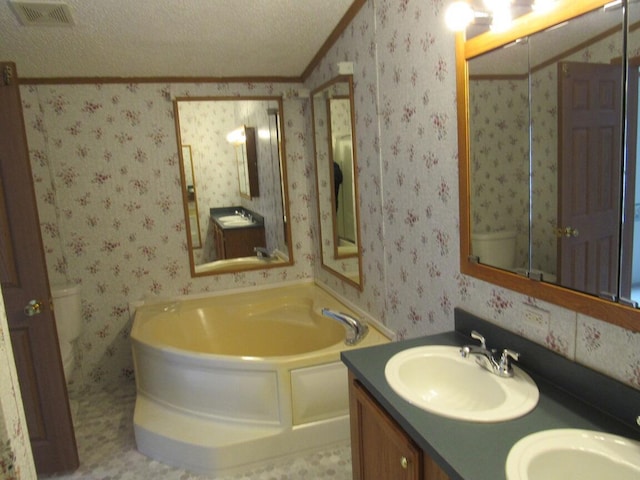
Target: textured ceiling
(173, 38)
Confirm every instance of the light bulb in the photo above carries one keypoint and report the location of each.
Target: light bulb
(543, 5)
(501, 13)
(458, 16)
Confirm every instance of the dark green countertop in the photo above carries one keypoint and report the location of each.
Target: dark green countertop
(468, 450)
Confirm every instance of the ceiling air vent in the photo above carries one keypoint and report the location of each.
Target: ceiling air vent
(32, 13)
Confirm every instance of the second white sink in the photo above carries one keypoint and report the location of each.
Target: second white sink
(573, 453)
(437, 379)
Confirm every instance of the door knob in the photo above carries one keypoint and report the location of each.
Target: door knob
(34, 307)
(567, 232)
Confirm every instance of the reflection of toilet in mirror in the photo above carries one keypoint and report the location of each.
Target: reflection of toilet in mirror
(497, 249)
(68, 314)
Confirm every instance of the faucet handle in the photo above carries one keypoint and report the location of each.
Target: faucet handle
(505, 364)
(477, 336)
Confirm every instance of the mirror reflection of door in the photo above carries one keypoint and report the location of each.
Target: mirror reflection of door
(590, 168)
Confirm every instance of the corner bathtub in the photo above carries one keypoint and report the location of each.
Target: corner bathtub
(230, 380)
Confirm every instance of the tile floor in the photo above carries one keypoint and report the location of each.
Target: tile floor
(106, 445)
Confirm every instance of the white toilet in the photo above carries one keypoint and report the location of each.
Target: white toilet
(497, 249)
(68, 314)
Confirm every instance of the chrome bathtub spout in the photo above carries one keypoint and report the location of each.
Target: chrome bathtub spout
(262, 252)
(486, 357)
(356, 329)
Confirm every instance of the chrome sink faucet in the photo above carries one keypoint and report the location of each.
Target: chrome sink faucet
(356, 329)
(486, 357)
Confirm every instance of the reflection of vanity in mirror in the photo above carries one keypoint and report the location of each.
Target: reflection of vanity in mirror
(337, 188)
(238, 209)
(551, 202)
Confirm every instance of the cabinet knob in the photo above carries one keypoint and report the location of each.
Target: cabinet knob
(404, 463)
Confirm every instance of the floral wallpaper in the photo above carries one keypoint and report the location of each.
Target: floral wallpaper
(106, 176)
(406, 133)
(105, 162)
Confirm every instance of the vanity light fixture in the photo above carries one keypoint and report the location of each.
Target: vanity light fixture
(237, 137)
(461, 14)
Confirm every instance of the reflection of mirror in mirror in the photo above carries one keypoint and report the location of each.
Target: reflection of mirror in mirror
(244, 141)
(239, 231)
(192, 197)
(336, 169)
(548, 177)
(345, 241)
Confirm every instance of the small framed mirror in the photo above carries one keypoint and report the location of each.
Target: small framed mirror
(336, 179)
(233, 226)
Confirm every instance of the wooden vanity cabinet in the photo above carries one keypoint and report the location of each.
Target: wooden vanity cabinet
(380, 448)
(237, 242)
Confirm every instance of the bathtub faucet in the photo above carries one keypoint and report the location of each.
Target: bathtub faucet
(356, 329)
(262, 252)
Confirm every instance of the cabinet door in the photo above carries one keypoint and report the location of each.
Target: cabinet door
(432, 470)
(380, 449)
(241, 242)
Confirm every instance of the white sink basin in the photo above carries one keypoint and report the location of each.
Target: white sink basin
(438, 380)
(570, 453)
(234, 220)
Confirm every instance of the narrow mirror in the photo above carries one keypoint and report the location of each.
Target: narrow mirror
(336, 177)
(240, 226)
(630, 237)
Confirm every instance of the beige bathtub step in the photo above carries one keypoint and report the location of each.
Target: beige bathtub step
(213, 447)
(194, 429)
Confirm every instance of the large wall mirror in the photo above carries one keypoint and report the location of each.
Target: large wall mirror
(230, 229)
(336, 177)
(548, 140)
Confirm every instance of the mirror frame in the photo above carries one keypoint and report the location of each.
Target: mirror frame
(611, 312)
(284, 186)
(359, 285)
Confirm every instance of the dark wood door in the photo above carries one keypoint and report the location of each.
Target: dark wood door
(590, 167)
(24, 278)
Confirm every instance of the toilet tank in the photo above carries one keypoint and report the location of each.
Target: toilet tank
(497, 249)
(67, 310)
